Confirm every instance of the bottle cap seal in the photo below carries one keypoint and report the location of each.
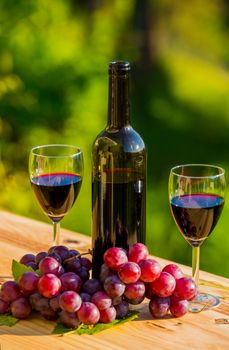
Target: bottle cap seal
(119, 67)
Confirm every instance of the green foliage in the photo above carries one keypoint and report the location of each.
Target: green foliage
(8, 320)
(53, 89)
(18, 269)
(93, 329)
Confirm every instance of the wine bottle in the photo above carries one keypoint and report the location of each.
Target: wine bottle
(118, 174)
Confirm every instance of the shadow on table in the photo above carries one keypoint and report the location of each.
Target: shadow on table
(144, 313)
(35, 325)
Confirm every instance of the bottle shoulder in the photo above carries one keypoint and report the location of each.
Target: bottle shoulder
(126, 139)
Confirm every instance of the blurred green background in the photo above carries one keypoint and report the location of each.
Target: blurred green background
(53, 89)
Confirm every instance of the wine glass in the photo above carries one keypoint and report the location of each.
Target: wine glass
(196, 196)
(56, 173)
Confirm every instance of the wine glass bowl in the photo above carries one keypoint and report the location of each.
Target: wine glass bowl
(56, 173)
(196, 196)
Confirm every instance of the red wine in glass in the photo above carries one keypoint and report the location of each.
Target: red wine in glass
(196, 215)
(56, 192)
(56, 173)
(196, 196)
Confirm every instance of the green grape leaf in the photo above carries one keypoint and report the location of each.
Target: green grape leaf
(18, 269)
(60, 329)
(8, 320)
(97, 328)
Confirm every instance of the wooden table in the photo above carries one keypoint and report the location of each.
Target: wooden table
(20, 235)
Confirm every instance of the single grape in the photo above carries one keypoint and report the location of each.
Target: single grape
(88, 313)
(105, 272)
(49, 265)
(114, 257)
(178, 307)
(10, 291)
(135, 290)
(70, 281)
(174, 270)
(185, 288)
(49, 314)
(4, 306)
(163, 286)
(73, 265)
(32, 264)
(69, 319)
(60, 271)
(92, 286)
(107, 315)
(55, 303)
(49, 285)
(73, 252)
(114, 286)
(101, 300)
(55, 256)
(117, 300)
(70, 301)
(27, 258)
(20, 308)
(129, 272)
(84, 274)
(38, 302)
(40, 256)
(62, 251)
(150, 270)
(135, 301)
(86, 263)
(148, 292)
(28, 282)
(34, 298)
(85, 296)
(137, 252)
(122, 309)
(51, 249)
(159, 306)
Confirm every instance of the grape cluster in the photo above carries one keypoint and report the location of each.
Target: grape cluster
(133, 276)
(60, 287)
(55, 287)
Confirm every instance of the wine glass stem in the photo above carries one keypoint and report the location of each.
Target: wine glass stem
(56, 233)
(195, 264)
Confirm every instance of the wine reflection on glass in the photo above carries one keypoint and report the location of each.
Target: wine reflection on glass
(56, 173)
(196, 196)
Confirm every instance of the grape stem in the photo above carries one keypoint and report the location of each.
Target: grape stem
(72, 331)
(78, 256)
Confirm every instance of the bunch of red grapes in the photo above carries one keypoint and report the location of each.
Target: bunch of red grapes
(60, 286)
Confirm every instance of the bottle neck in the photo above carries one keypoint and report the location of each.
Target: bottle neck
(118, 100)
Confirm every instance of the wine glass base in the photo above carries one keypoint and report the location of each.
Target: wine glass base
(203, 301)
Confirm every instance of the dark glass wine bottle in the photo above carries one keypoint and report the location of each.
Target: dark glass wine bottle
(118, 174)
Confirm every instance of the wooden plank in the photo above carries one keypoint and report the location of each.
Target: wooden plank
(20, 235)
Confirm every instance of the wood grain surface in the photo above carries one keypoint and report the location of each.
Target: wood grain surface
(19, 235)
